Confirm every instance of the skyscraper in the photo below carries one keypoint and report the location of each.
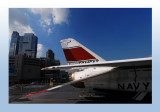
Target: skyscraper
(50, 54)
(14, 45)
(26, 44)
(50, 60)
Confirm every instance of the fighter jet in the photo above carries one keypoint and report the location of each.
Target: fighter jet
(91, 71)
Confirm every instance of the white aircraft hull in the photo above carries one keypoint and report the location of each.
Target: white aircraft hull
(138, 80)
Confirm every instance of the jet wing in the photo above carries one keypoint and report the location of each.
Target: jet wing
(116, 63)
(68, 83)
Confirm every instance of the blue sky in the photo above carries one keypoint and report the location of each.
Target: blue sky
(112, 33)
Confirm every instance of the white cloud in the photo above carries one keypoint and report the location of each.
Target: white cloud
(48, 21)
(49, 31)
(45, 14)
(18, 22)
(60, 15)
(17, 15)
(20, 28)
(49, 15)
(40, 50)
(18, 19)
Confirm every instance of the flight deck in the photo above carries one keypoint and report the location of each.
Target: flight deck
(69, 95)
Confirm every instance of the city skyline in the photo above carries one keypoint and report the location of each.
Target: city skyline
(117, 33)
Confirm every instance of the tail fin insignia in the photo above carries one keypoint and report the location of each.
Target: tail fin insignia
(76, 53)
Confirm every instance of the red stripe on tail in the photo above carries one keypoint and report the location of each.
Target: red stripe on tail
(77, 54)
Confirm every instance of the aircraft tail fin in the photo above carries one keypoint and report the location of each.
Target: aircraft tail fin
(76, 53)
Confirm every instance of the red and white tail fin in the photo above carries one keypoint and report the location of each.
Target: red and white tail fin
(76, 53)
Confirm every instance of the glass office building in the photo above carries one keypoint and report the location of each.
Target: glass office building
(14, 45)
(25, 45)
(28, 45)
